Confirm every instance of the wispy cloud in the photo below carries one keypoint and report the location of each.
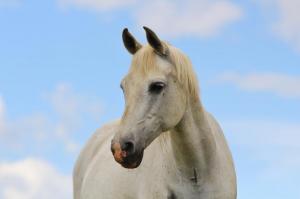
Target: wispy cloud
(282, 85)
(288, 24)
(199, 18)
(274, 145)
(99, 5)
(287, 19)
(33, 179)
(70, 109)
(188, 18)
(67, 112)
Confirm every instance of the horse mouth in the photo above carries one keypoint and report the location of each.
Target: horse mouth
(133, 161)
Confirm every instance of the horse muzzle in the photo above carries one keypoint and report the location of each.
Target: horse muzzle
(126, 154)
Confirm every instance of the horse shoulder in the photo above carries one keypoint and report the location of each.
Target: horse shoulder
(88, 153)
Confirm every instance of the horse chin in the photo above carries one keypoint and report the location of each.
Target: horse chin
(133, 162)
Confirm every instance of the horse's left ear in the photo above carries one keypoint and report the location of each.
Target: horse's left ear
(159, 47)
(130, 42)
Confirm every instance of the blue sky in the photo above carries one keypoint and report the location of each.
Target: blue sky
(61, 62)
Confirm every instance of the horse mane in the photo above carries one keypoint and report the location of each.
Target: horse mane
(145, 60)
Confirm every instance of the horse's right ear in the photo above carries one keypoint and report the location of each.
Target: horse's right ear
(129, 42)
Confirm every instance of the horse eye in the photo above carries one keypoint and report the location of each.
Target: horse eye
(156, 87)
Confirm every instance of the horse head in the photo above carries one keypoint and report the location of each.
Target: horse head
(156, 90)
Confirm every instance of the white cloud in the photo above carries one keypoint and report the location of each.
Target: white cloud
(287, 19)
(259, 134)
(100, 5)
(52, 131)
(71, 109)
(188, 18)
(201, 18)
(65, 102)
(60, 125)
(274, 145)
(33, 179)
(288, 24)
(279, 84)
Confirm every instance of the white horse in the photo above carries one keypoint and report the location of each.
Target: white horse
(166, 144)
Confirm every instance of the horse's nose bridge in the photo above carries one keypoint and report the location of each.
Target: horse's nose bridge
(126, 111)
(134, 110)
(125, 131)
(124, 134)
(130, 105)
(131, 126)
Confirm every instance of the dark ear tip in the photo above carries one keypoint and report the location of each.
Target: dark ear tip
(148, 30)
(125, 30)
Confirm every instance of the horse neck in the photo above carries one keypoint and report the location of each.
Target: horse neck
(192, 142)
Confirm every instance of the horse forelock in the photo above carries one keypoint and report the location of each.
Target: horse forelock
(145, 61)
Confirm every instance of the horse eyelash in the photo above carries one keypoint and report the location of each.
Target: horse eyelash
(156, 87)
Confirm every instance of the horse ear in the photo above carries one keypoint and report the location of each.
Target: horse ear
(159, 47)
(129, 42)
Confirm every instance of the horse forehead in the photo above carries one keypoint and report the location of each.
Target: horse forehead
(161, 68)
(164, 65)
(137, 77)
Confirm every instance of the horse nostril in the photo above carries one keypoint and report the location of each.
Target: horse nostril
(128, 147)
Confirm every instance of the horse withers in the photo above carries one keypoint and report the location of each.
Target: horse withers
(165, 145)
